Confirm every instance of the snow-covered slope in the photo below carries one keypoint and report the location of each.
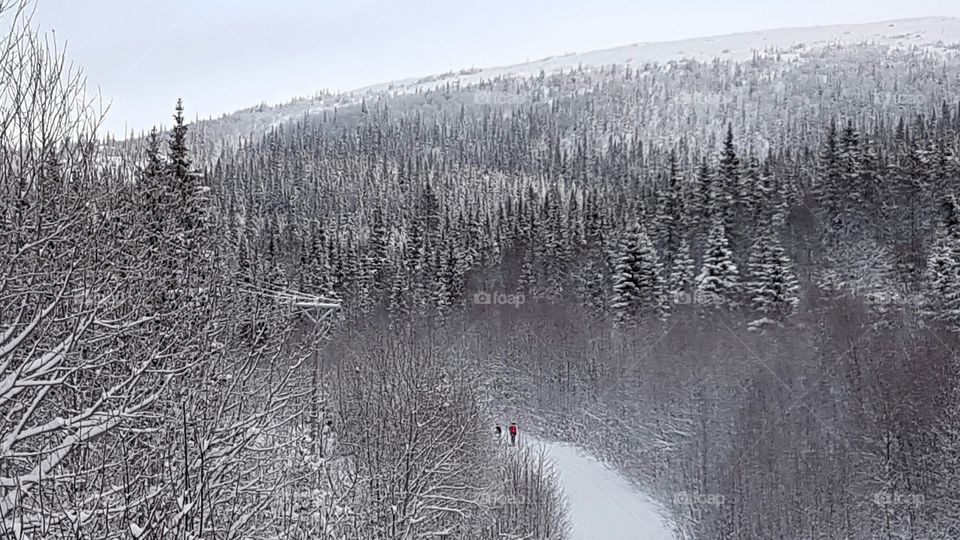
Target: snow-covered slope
(932, 33)
(602, 504)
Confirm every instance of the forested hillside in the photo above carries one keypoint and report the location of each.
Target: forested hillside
(735, 281)
(153, 386)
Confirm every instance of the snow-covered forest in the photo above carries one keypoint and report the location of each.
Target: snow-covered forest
(736, 282)
(155, 386)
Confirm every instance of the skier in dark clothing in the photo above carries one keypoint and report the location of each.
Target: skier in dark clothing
(513, 433)
(497, 431)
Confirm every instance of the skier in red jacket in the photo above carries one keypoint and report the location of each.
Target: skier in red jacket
(513, 433)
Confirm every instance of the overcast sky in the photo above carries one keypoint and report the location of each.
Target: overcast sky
(223, 55)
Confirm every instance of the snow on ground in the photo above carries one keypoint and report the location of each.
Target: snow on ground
(602, 504)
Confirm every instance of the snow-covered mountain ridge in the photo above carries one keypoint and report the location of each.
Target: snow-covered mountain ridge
(935, 35)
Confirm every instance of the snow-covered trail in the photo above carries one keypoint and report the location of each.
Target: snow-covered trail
(602, 504)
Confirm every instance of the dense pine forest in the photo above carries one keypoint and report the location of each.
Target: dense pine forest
(764, 322)
(737, 283)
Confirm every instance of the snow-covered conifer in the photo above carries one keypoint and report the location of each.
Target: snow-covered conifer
(718, 282)
(638, 283)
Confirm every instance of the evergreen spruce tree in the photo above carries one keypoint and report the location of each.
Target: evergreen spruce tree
(755, 199)
(189, 229)
(376, 258)
(430, 217)
(680, 282)
(479, 243)
(718, 283)
(527, 279)
(184, 185)
(528, 233)
(153, 168)
(593, 275)
(179, 154)
(727, 188)
(829, 188)
(440, 292)
(704, 208)
(844, 185)
(771, 288)
(638, 286)
(463, 253)
(154, 193)
(416, 266)
(574, 232)
(453, 274)
(358, 278)
(668, 219)
(554, 248)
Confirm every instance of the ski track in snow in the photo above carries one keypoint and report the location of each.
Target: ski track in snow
(602, 504)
